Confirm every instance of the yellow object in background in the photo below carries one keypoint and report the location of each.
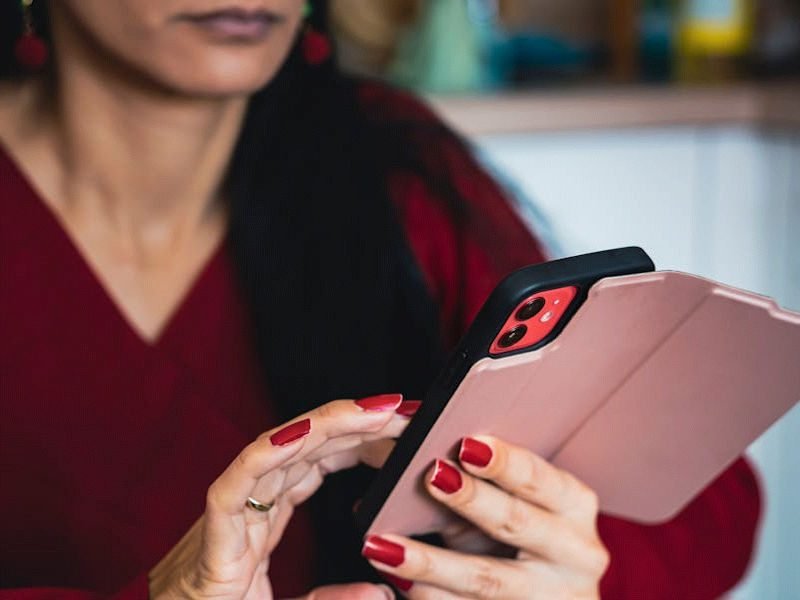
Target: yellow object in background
(713, 36)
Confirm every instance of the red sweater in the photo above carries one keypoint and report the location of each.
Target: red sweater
(109, 442)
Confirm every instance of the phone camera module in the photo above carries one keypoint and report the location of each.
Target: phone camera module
(530, 309)
(512, 336)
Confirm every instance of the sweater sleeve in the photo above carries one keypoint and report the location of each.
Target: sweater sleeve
(703, 551)
(137, 589)
(700, 554)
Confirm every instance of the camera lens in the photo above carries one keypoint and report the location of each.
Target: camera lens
(530, 309)
(512, 336)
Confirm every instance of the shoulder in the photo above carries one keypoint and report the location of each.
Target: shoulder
(420, 136)
(436, 173)
(383, 101)
(462, 225)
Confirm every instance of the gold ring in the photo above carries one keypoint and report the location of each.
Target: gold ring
(259, 506)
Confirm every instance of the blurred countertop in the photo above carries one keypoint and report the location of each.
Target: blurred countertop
(773, 105)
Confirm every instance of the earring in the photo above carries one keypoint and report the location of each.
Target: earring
(316, 46)
(30, 50)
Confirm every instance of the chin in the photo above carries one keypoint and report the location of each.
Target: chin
(220, 82)
(220, 72)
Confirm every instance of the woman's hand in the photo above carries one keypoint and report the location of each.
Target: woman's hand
(226, 553)
(545, 515)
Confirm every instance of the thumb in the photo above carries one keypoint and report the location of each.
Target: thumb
(351, 591)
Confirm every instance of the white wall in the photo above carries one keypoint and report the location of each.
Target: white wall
(720, 202)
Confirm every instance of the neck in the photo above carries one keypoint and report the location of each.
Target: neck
(142, 159)
(146, 161)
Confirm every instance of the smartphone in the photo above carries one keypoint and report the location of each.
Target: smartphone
(643, 384)
(525, 312)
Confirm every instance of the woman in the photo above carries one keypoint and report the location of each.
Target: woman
(206, 230)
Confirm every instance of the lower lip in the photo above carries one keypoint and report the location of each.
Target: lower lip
(232, 28)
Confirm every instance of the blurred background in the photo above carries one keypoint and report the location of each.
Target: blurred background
(674, 125)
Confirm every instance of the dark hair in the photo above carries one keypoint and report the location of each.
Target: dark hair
(339, 305)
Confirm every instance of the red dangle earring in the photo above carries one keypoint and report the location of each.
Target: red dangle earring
(316, 46)
(30, 50)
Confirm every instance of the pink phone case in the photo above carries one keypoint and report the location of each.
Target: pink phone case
(658, 382)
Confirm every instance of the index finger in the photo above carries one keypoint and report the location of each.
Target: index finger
(345, 419)
(527, 475)
(283, 446)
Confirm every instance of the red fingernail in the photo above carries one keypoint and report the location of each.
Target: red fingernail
(383, 551)
(446, 477)
(291, 433)
(474, 452)
(408, 408)
(380, 403)
(401, 584)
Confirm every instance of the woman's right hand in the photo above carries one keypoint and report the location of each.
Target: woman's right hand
(226, 553)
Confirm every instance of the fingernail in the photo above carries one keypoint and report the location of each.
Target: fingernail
(401, 584)
(408, 408)
(384, 551)
(291, 433)
(380, 403)
(446, 477)
(474, 452)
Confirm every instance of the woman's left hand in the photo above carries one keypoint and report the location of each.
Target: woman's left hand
(544, 514)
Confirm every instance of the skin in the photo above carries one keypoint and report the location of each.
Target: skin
(128, 151)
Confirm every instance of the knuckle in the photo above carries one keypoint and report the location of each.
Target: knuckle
(516, 520)
(212, 497)
(245, 458)
(584, 496)
(566, 485)
(424, 567)
(569, 487)
(485, 582)
(599, 559)
(530, 485)
(329, 410)
(590, 498)
(604, 562)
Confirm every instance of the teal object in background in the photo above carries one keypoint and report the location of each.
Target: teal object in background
(443, 53)
(656, 39)
(458, 46)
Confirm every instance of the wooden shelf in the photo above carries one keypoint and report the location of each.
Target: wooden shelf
(759, 105)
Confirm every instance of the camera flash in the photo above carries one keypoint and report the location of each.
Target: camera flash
(546, 316)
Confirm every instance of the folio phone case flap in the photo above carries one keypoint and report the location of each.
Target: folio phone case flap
(719, 369)
(658, 382)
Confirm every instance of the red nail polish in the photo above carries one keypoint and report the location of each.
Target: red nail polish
(380, 403)
(474, 452)
(408, 408)
(401, 584)
(291, 433)
(446, 477)
(383, 551)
